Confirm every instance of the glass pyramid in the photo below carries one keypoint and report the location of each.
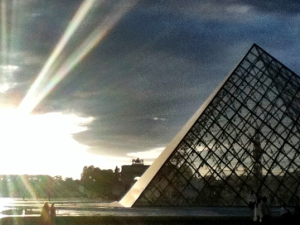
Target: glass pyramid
(245, 137)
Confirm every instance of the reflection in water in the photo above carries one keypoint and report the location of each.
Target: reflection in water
(64, 207)
(79, 207)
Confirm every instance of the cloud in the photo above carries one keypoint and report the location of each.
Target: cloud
(226, 11)
(241, 9)
(275, 6)
(156, 74)
(159, 119)
(150, 154)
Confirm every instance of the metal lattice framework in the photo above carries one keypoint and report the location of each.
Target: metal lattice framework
(246, 138)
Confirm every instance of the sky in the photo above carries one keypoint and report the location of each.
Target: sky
(102, 82)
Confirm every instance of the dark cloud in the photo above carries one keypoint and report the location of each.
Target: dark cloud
(162, 60)
(288, 8)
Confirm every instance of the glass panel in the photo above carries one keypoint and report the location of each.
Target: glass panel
(246, 139)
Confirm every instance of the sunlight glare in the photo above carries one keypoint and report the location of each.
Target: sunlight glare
(9, 68)
(31, 143)
(3, 32)
(6, 71)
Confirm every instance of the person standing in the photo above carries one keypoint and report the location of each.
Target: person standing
(251, 203)
(266, 210)
(45, 217)
(258, 211)
(52, 213)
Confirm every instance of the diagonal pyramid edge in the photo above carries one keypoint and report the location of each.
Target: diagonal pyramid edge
(134, 193)
(139, 188)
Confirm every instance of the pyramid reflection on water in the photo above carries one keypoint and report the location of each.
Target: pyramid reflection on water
(246, 136)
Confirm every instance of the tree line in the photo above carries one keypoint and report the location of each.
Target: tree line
(94, 183)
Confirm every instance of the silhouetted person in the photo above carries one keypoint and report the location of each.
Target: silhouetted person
(45, 217)
(266, 210)
(252, 202)
(258, 212)
(52, 213)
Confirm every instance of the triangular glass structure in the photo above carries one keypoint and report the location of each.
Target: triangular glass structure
(245, 137)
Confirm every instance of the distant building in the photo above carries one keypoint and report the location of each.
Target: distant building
(131, 173)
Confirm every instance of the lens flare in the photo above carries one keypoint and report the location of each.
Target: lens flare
(28, 186)
(4, 32)
(42, 87)
(45, 72)
(15, 35)
(81, 52)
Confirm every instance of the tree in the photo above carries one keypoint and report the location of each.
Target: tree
(99, 183)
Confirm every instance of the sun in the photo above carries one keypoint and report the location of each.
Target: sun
(39, 144)
(44, 143)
